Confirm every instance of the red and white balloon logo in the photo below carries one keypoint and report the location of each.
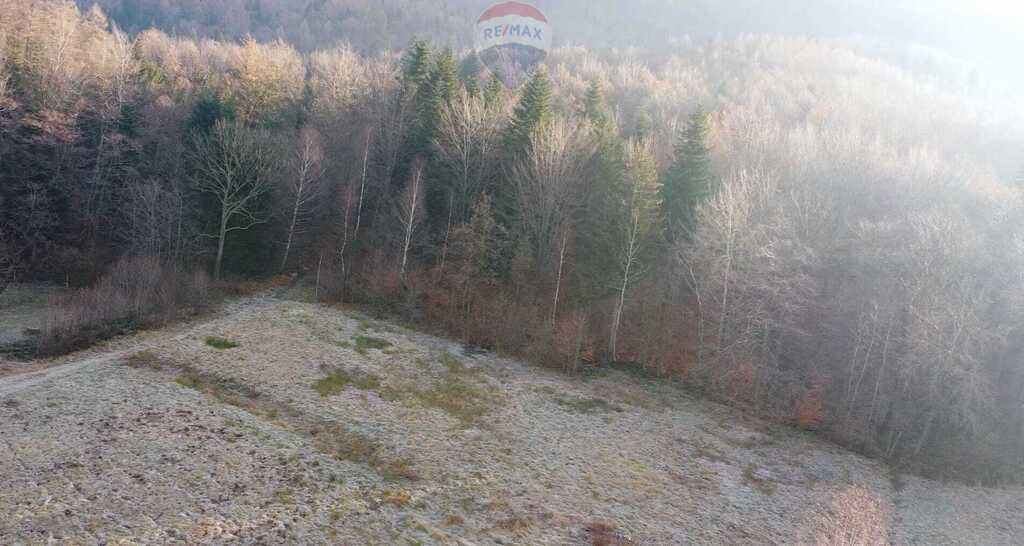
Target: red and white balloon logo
(512, 38)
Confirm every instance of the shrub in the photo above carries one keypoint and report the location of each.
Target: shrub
(856, 518)
(810, 409)
(135, 293)
(221, 343)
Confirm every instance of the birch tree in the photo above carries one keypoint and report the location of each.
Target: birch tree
(303, 186)
(640, 221)
(233, 165)
(410, 213)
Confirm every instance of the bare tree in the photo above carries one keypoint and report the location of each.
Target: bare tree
(153, 218)
(233, 165)
(303, 186)
(547, 182)
(8, 262)
(466, 143)
(410, 212)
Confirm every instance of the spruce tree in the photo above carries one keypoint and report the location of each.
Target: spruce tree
(492, 91)
(596, 267)
(437, 90)
(415, 66)
(690, 180)
(595, 108)
(533, 110)
(435, 95)
(469, 73)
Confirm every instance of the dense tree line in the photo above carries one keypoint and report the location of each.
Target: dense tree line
(783, 223)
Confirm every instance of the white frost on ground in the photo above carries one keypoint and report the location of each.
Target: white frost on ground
(101, 452)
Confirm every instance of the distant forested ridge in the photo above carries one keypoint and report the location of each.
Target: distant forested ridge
(802, 227)
(922, 35)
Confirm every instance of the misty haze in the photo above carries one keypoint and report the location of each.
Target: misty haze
(475, 272)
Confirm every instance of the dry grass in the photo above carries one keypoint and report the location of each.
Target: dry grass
(136, 293)
(857, 517)
(603, 533)
(460, 392)
(751, 478)
(145, 360)
(328, 437)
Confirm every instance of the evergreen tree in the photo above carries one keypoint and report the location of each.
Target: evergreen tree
(595, 108)
(415, 66)
(492, 91)
(690, 180)
(534, 109)
(596, 236)
(436, 91)
(644, 125)
(469, 73)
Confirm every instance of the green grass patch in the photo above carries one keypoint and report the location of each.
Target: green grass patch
(365, 343)
(587, 406)
(459, 392)
(220, 343)
(337, 380)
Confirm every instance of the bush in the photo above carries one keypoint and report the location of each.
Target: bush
(135, 293)
(856, 518)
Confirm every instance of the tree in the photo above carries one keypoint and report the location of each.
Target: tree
(303, 185)
(153, 212)
(8, 262)
(596, 237)
(409, 212)
(690, 180)
(547, 183)
(533, 110)
(469, 73)
(233, 165)
(415, 66)
(465, 145)
(639, 222)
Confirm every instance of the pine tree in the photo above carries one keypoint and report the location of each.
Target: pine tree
(595, 108)
(534, 109)
(596, 235)
(492, 91)
(469, 73)
(690, 181)
(432, 95)
(415, 66)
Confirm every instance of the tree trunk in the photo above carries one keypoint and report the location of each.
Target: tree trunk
(617, 316)
(220, 247)
(558, 278)
(291, 231)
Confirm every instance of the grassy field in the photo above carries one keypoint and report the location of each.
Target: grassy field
(279, 421)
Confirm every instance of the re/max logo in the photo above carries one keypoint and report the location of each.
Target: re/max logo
(500, 31)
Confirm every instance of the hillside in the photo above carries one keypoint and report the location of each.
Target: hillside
(321, 425)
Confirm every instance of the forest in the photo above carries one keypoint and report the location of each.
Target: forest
(801, 227)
